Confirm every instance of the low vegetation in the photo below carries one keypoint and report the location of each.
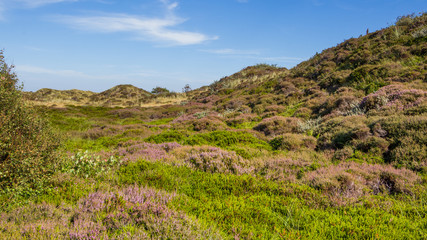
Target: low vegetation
(334, 148)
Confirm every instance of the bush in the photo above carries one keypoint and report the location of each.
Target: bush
(226, 139)
(395, 96)
(340, 131)
(346, 182)
(216, 160)
(26, 143)
(169, 136)
(207, 124)
(408, 140)
(277, 125)
(292, 142)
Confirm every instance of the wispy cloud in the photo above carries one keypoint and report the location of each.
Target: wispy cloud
(38, 3)
(59, 73)
(10, 4)
(251, 54)
(35, 77)
(229, 51)
(73, 74)
(281, 59)
(158, 29)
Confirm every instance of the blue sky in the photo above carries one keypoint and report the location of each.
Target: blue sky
(97, 44)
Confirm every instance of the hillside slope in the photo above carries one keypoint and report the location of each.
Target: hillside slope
(364, 98)
(124, 95)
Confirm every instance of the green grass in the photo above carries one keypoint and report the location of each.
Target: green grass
(290, 111)
(254, 207)
(243, 143)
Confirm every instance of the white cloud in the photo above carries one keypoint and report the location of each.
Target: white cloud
(134, 72)
(10, 4)
(251, 54)
(35, 77)
(229, 51)
(39, 70)
(38, 3)
(151, 29)
(282, 59)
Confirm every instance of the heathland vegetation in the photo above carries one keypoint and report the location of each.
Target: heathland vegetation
(334, 148)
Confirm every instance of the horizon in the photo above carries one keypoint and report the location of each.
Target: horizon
(97, 44)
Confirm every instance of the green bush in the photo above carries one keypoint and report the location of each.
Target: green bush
(169, 136)
(291, 142)
(27, 145)
(408, 140)
(225, 139)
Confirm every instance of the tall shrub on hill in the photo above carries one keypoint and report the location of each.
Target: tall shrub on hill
(26, 143)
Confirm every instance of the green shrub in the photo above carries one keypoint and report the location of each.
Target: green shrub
(340, 131)
(277, 125)
(290, 141)
(225, 139)
(408, 140)
(169, 136)
(26, 143)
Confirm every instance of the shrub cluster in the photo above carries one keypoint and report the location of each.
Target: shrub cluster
(129, 213)
(347, 182)
(27, 146)
(277, 125)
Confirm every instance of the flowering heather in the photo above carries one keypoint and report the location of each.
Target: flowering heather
(281, 169)
(278, 125)
(348, 181)
(42, 221)
(130, 213)
(147, 151)
(394, 97)
(242, 118)
(207, 123)
(212, 159)
(101, 213)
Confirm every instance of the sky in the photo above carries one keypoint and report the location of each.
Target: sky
(97, 44)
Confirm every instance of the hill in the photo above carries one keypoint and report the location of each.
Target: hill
(393, 55)
(125, 95)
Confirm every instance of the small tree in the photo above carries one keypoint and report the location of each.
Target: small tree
(26, 143)
(159, 90)
(186, 88)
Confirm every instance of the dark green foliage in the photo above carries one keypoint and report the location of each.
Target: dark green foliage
(368, 78)
(225, 139)
(168, 136)
(159, 90)
(338, 132)
(407, 135)
(27, 146)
